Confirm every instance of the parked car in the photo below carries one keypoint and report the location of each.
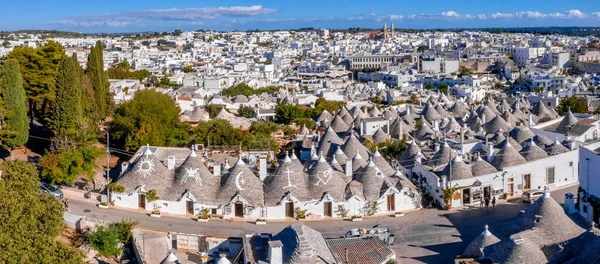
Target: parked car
(531, 196)
(382, 233)
(52, 189)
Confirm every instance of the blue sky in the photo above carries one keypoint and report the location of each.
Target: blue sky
(153, 15)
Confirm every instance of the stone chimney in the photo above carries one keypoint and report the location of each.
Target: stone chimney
(171, 162)
(569, 203)
(348, 168)
(262, 171)
(407, 110)
(530, 120)
(362, 123)
(462, 134)
(483, 118)
(444, 180)
(217, 169)
(436, 148)
(124, 166)
(490, 152)
(275, 252)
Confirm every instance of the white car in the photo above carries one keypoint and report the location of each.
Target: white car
(531, 196)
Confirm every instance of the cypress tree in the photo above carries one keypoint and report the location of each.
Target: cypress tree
(13, 96)
(95, 69)
(67, 108)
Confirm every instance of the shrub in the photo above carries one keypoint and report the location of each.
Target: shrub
(106, 241)
(204, 213)
(301, 214)
(124, 228)
(151, 196)
(113, 186)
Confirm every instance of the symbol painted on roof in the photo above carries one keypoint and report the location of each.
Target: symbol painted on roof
(239, 181)
(324, 176)
(290, 185)
(146, 167)
(191, 173)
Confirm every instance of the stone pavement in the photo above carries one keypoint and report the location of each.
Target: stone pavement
(424, 236)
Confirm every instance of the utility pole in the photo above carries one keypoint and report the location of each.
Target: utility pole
(107, 163)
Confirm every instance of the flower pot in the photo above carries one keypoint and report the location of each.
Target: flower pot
(202, 220)
(103, 206)
(398, 214)
(448, 207)
(155, 215)
(357, 219)
(261, 222)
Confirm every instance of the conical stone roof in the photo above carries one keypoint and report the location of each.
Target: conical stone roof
(475, 248)
(515, 250)
(286, 178)
(568, 121)
(372, 179)
(193, 176)
(532, 152)
(242, 181)
(329, 142)
(324, 179)
(460, 170)
(302, 244)
(508, 156)
(481, 167)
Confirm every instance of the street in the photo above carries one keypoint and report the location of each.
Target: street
(425, 236)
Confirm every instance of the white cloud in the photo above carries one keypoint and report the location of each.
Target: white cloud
(482, 16)
(450, 14)
(575, 14)
(396, 17)
(596, 14)
(194, 15)
(114, 24)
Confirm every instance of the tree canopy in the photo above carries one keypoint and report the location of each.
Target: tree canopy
(286, 113)
(577, 105)
(30, 221)
(39, 68)
(13, 96)
(246, 90)
(67, 114)
(149, 118)
(443, 88)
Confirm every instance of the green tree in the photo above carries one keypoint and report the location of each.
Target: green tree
(99, 81)
(238, 89)
(124, 65)
(286, 113)
(422, 48)
(219, 132)
(146, 43)
(30, 221)
(464, 71)
(5, 43)
(443, 88)
(64, 167)
(149, 118)
(177, 32)
(429, 86)
(305, 121)
(188, 69)
(577, 105)
(13, 96)
(67, 113)
(263, 127)
(39, 69)
(213, 109)
(161, 42)
(245, 111)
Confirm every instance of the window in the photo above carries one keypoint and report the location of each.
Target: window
(511, 179)
(585, 208)
(550, 175)
(570, 164)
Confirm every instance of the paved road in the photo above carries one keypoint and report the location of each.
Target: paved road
(425, 236)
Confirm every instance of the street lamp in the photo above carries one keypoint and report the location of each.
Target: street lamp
(107, 163)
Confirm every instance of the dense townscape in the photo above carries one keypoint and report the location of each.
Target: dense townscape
(296, 130)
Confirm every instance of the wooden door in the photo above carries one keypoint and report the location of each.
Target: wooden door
(511, 189)
(391, 203)
(289, 210)
(327, 209)
(189, 207)
(142, 201)
(526, 182)
(466, 196)
(239, 209)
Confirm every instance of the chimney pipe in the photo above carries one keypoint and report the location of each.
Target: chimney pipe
(348, 168)
(217, 169)
(275, 252)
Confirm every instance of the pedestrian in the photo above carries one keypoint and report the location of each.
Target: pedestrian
(481, 202)
(487, 202)
(494, 202)
(66, 203)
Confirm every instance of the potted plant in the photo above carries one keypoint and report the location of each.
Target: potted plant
(261, 221)
(398, 214)
(300, 214)
(103, 205)
(505, 195)
(204, 215)
(356, 218)
(155, 213)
